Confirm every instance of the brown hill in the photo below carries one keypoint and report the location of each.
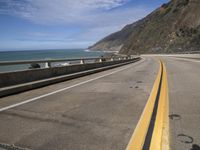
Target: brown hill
(174, 27)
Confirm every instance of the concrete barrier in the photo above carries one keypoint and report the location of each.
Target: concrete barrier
(20, 77)
(86, 70)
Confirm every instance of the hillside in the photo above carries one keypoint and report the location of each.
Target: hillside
(174, 27)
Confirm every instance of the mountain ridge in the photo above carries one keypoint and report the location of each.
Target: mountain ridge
(173, 27)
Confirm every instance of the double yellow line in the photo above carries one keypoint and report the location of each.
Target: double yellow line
(152, 130)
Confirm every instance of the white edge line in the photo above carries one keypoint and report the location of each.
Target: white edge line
(60, 90)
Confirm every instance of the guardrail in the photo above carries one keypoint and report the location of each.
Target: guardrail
(24, 75)
(49, 63)
(19, 81)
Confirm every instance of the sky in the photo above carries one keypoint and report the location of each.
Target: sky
(66, 24)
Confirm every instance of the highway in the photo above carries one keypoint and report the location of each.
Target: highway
(101, 111)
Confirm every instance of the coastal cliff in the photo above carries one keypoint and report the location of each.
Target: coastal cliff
(173, 27)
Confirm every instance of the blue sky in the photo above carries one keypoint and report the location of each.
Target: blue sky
(63, 24)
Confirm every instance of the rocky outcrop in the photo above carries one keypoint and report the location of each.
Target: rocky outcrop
(173, 27)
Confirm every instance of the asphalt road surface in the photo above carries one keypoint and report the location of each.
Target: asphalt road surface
(101, 111)
(184, 99)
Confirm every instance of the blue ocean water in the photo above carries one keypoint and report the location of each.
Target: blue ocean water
(42, 55)
(47, 54)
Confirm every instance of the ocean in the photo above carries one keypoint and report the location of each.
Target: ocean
(42, 55)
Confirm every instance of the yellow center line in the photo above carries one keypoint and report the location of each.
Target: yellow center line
(159, 139)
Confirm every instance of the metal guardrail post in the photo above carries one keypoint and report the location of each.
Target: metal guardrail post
(46, 65)
(82, 61)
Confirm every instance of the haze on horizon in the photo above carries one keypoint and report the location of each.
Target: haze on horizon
(52, 24)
